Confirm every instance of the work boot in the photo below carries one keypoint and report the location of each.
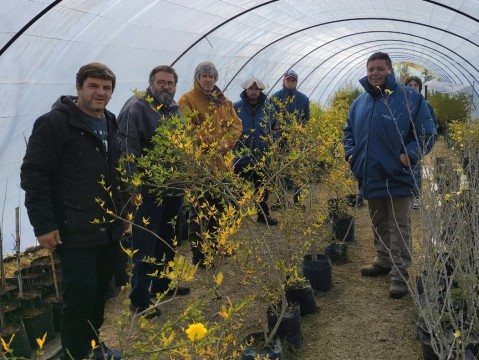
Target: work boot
(153, 313)
(374, 270)
(103, 352)
(398, 289)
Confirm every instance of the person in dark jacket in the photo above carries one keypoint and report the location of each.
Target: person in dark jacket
(388, 130)
(138, 120)
(253, 142)
(286, 102)
(416, 83)
(70, 161)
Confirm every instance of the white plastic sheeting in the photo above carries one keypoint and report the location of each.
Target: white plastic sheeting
(326, 41)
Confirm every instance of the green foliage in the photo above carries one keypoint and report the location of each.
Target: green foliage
(450, 107)
(346, 96)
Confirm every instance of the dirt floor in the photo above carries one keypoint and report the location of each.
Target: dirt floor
(356, 320)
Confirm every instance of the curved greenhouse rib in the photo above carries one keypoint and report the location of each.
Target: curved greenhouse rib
(392, 32)
(204, 36)
(452, 9)
(340, 21)
(392, 51)
(30, 23)
(359, 67)
(363, 49)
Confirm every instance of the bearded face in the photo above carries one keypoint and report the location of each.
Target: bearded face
(163, 87)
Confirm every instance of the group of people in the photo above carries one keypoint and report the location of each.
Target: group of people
(70, 179)
(69, 171)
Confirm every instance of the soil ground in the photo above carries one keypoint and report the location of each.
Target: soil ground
(356, 319)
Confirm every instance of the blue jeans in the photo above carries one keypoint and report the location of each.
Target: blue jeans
(86, 274)
(147, 245)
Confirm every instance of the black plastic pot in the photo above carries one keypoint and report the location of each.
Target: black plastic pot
(354, 200)
(289, 330)
(303, 296)
(343, 227)
(20, 344)
(426, 348)
(256, 349)
(338, 252)
(37, 322)
(318, 271)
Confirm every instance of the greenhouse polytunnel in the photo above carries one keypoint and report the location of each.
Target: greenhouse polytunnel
(43, 44)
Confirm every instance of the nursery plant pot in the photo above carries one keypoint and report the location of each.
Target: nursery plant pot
(20, 345)
(11, 311)
(338, 252)
(37, 322)
(354, 200)
(303, 295)
(56, 311)
(289, 330)
(30, 300)
(317, 269)
(426, 348)
(256, 350)
(343, 227)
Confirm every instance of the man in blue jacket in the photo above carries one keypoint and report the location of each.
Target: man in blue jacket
(252, 145)
(388, 130)
(138, 120)
(289, 102)
(68, 166)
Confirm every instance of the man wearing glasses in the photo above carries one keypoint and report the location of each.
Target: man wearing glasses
(138, 120)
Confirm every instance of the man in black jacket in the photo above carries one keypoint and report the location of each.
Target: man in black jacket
(69, 163)
(138, 120)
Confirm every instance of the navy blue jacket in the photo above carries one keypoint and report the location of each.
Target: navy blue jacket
(382, 124)
(138, 121)
(299, 103)
(256, 129)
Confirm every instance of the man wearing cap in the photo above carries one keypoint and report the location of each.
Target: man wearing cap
(286, 102)
(217, 129)
(253, 142)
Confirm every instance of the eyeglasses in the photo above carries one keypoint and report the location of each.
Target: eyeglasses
(162, 83)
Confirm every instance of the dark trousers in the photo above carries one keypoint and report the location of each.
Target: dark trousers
(147, 245)
(258, 181)
(86, 274)
(197, 226)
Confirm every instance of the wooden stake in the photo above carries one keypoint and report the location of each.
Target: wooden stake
(17, 246)
(54, 272)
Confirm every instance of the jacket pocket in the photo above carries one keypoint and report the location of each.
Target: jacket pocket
(83, 217)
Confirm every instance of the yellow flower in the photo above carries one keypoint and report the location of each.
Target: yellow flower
(457, 333)
(145, 221)
(218, 279)
(168, 340)
(41, 341)
(225, 312)
(93, 344)
(6, 346)
(196, 331)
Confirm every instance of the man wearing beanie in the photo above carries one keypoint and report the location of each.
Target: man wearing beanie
(289, 102)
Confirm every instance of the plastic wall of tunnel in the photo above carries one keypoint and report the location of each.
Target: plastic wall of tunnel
(43, 43)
